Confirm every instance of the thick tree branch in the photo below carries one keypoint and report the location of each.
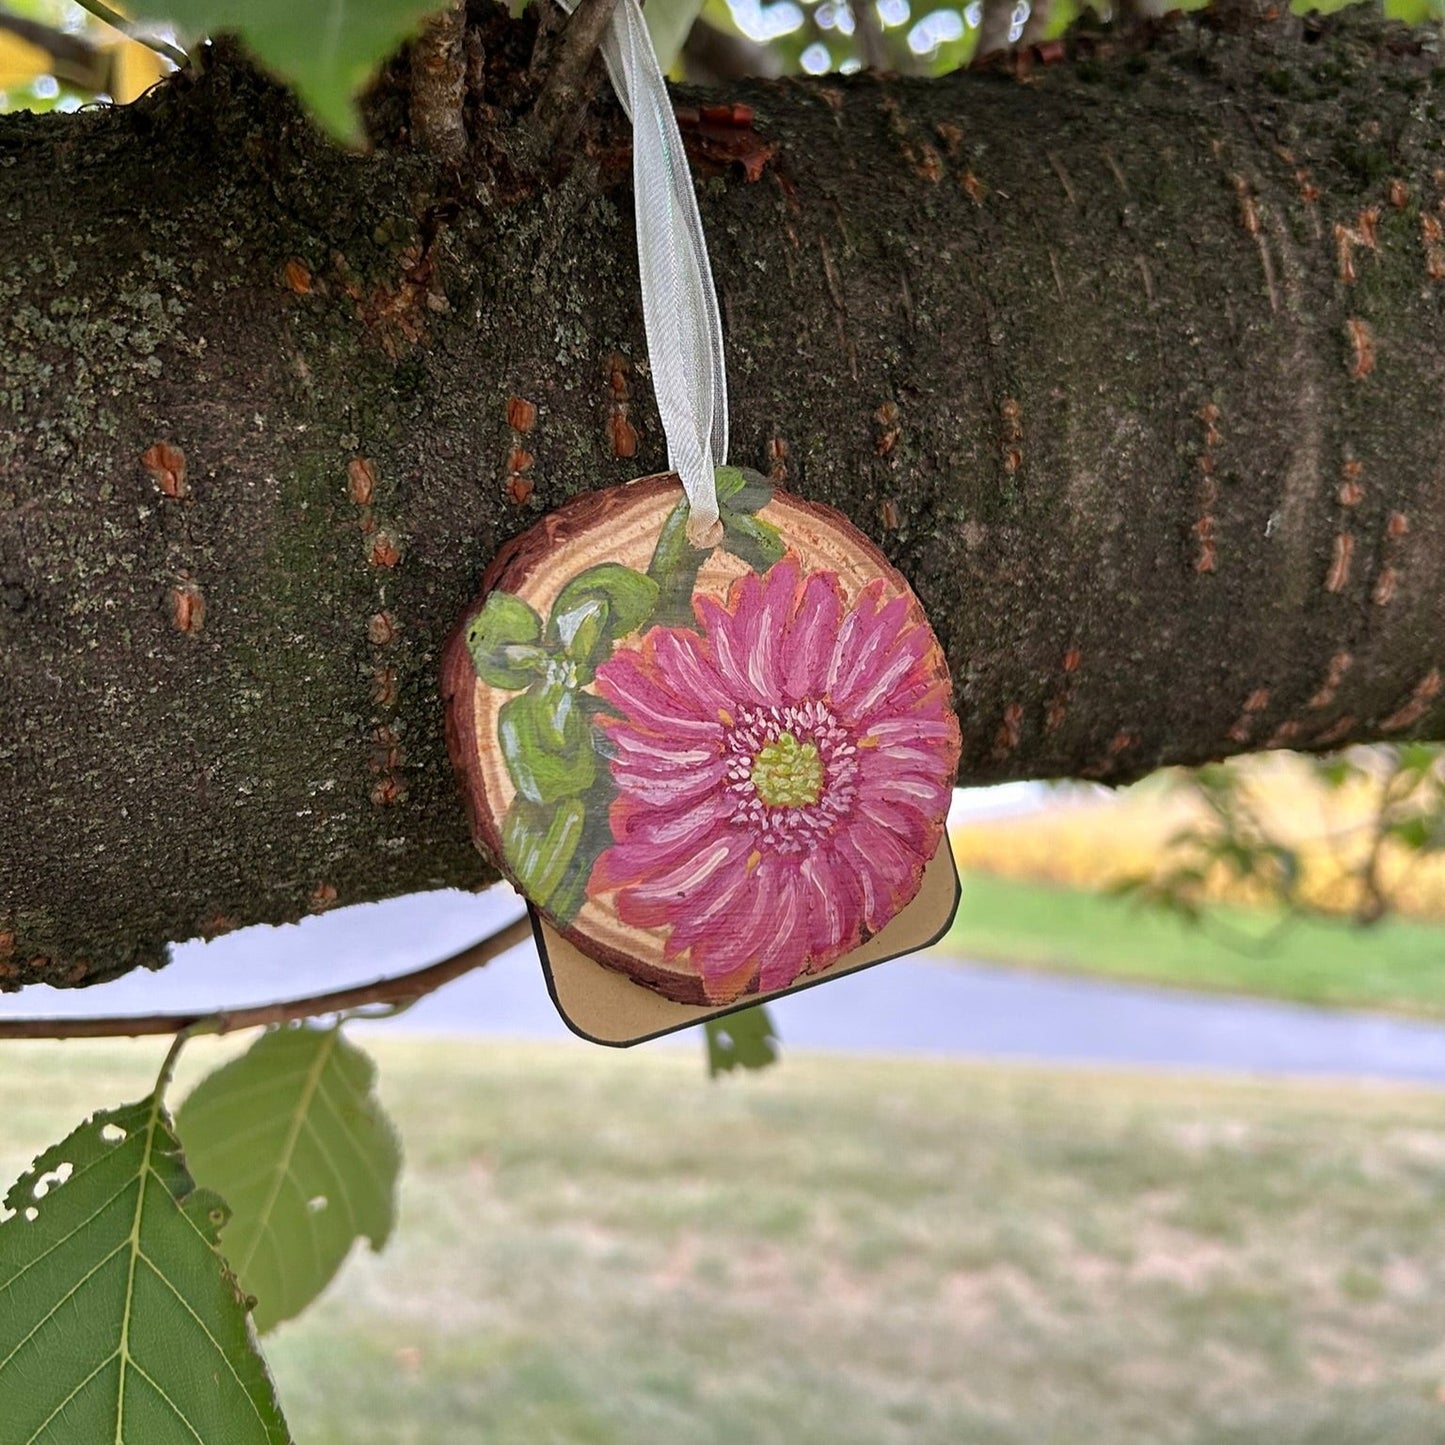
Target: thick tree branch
(1134, 370)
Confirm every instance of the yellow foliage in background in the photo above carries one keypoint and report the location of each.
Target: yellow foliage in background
(1097, 839)
(20, 61)
(99, 60)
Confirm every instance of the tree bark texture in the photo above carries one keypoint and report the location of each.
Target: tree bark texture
(1134, 367)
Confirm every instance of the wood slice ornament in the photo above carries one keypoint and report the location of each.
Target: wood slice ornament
(715, 773)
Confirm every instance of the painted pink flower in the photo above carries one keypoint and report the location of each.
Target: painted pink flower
(782, 778)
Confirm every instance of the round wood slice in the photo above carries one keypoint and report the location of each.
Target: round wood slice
(741, 787)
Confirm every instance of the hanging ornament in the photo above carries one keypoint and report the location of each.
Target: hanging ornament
(702, 725)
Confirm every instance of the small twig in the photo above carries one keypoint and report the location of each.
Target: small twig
(405, 988)
(562, 89)
(173, 1054)
(871, 45)
(439, 85)
(712, 57)
(102, 11)
(993, 31)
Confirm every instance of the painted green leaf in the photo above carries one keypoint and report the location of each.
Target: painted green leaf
(676, 562)
(757, 542)
(294, 1134)
(557, 708)
(740, 489)
(742, 1040)
(595, 837)
(599, 606)
(539, 842)
(119, 1320)
(503, 640)
(547, 744)
(326, 50)
(674, 567)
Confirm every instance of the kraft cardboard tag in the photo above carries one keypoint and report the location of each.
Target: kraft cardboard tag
(606, 1007)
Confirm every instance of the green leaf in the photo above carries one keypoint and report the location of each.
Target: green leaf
(758, 543)
(503, 640)
(1336, 771)
(539, 842)
(668, 22)
(740, 489)
(119, 1321)
(571, 892)
(599, 606)
(547, 744)
(674, 567)
(1420, 833)
(294, 1134)
(742, 1040)
(326, 50)
(675, 561)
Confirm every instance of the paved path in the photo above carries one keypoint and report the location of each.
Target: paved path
(911, 1006)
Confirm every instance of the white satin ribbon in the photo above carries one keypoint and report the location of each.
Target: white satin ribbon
(679, 301)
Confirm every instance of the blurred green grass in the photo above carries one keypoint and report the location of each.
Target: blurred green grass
(599, 1248)
(1397, 965)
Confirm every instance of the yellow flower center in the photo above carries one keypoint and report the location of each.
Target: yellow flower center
(787, 773)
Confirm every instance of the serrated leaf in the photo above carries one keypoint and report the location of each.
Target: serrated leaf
(294, 1136)
(326, 50)
(119, 1320)
(742, 1040)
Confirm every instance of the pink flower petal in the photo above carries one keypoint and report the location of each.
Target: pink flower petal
(730, 652)
(867, 690)
(832, 902)
(903, 825)
(927, 796)
(883, 868)
(681, 656)
(637, 749)
(653, 903)
(634, 689)
(667, 788)
(811, 636)
(929, 725)
(783, 952)
(764, 640)
(736, 942)
(868, 635)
